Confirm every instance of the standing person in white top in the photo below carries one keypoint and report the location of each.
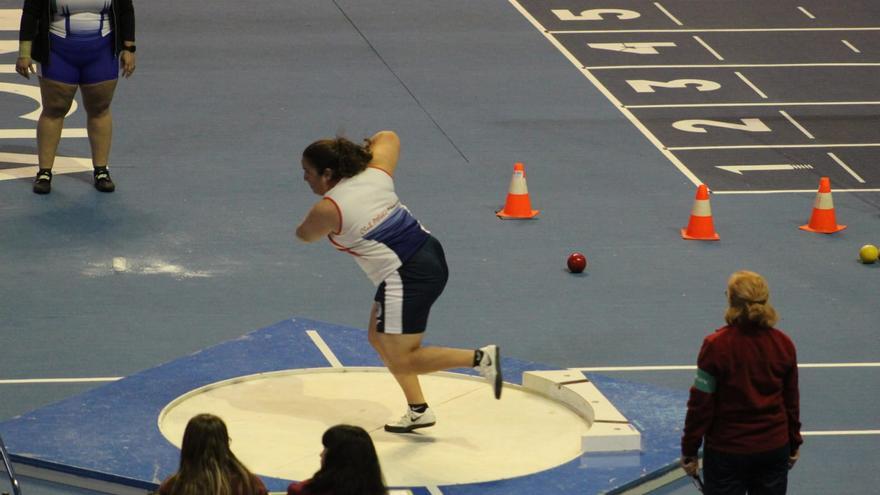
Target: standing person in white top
(361, 215)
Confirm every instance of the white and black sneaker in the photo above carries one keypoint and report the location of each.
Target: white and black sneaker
(490, 367)
(412, 421)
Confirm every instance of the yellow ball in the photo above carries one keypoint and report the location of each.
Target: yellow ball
(868, 254)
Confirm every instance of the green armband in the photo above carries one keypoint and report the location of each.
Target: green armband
(704, 382)
(24, 49)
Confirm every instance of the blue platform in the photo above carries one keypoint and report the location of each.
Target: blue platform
(111, 433)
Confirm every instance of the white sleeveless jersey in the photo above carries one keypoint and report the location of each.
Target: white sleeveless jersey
(375, 227)
(74, 17)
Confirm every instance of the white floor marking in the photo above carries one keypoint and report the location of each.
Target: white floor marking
(8, 46)
(32, 381)
(758, 104)
(433, 490)
(319, 342)
(693, 367)
(668, 14)
(750, 84)
(797, 124)
(771, 146)
(707, 47)
(846, 167)
(782, 191)
(32, 133)
(839, 433)
(710, 30)
(324, 348)
(10, 19)
(806, 12)
(850, 46)
(629, 115)
(739, 169)
(63, 165)
(720, 66)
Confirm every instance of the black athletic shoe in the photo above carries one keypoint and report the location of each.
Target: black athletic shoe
(103, 182)
(43, 181)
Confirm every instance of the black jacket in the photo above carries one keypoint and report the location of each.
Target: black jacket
(36, 15)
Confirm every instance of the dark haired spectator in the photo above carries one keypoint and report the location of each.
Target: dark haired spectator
(349, 466)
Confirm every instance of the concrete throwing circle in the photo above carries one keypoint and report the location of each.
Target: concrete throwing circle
(276, 420)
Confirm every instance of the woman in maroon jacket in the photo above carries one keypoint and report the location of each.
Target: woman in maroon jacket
(744, 401)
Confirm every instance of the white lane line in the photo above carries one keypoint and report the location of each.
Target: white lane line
(750, 84)
(758, 104)
(771, 146)
(433, 490)
(719, 66)
(32, 133)
(806, 12)
(324, 348)
(707, 47)
(846, 167)
(709, 30)
(782, 191)
(601, 87)
(32, 381)
(797, 124)
(828, 433)
(693, 367)
(850, 46)
(668, 14)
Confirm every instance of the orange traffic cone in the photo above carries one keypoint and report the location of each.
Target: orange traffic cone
(700, 227)
(823, 219)
(518, 204)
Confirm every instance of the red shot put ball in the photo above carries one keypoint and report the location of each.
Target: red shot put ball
(577, 262)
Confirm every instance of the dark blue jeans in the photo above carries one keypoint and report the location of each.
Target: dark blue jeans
(764, 473)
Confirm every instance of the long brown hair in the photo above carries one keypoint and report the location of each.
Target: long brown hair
(207, 465)
(748, 298)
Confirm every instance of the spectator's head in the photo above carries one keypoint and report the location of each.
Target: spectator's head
(207, 465)
(748, 299)
(349, 464)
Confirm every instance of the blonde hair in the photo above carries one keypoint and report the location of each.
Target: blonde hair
(748, 299)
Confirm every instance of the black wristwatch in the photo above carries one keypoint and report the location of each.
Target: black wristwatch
(131, 48)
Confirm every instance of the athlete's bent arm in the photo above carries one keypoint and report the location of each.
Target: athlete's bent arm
(321, 220)
(385, 147)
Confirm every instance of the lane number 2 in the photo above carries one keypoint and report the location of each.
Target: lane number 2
(699, 125)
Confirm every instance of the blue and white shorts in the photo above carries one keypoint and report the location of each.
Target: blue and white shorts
(406, 296)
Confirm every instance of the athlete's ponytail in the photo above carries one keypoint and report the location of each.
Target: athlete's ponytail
(749, 301)
(342, 157)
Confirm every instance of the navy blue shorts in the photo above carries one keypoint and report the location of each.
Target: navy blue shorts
(406, 296)
(80, 59)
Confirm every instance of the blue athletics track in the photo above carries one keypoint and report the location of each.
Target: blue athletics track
(617, 109)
